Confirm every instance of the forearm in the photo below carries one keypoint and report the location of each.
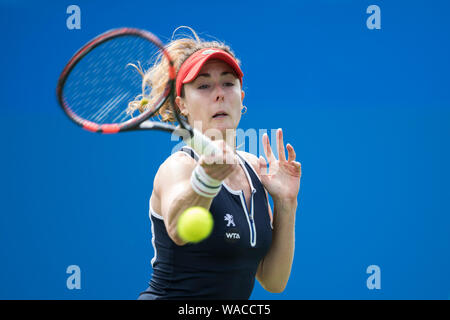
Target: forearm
(185, 198)
(275, 268)
(183, 183)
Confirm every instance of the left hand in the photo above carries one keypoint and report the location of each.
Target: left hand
(283, 180)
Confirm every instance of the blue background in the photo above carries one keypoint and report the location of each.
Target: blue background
(368, 112)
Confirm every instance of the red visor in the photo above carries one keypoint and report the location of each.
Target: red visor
(191, 67)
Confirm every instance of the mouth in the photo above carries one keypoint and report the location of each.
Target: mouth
(220, 115)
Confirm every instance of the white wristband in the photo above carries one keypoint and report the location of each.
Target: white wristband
(203, 184)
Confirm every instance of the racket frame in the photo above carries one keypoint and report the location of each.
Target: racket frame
(191, 136)
(134, 122)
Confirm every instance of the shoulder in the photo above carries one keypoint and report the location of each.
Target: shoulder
(178, 166)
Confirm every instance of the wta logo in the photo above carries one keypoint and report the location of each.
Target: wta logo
(232, 235)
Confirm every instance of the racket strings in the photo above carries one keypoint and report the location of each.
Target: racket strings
(102, 84)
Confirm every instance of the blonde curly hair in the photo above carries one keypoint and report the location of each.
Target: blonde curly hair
(156, 77)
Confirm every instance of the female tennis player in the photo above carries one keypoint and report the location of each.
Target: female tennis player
(247, 240)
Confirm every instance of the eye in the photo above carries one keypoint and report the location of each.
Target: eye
(228, 84)
(203, 86)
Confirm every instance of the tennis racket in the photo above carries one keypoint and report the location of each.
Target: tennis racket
(97, 84)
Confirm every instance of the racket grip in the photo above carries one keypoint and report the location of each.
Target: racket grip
(201, 143)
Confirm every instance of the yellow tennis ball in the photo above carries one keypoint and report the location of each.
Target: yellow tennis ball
(195, 224)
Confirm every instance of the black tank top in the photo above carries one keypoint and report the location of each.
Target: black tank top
(224, 265)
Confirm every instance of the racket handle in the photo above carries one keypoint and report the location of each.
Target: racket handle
(201, 143)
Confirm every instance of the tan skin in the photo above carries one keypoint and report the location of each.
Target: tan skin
(217, 89)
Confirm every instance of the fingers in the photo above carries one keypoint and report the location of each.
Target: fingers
(221, 162)
(221, 154)
(216, 167)
(229, 155)
(267, 149)
(298, 165)
(262, 165)
(291, 153)
(280, 145)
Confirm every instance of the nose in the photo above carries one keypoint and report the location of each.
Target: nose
(220, 94)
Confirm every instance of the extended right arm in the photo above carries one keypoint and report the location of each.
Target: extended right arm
(172, 186)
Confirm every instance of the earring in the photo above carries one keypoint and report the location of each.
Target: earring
(245, 109)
